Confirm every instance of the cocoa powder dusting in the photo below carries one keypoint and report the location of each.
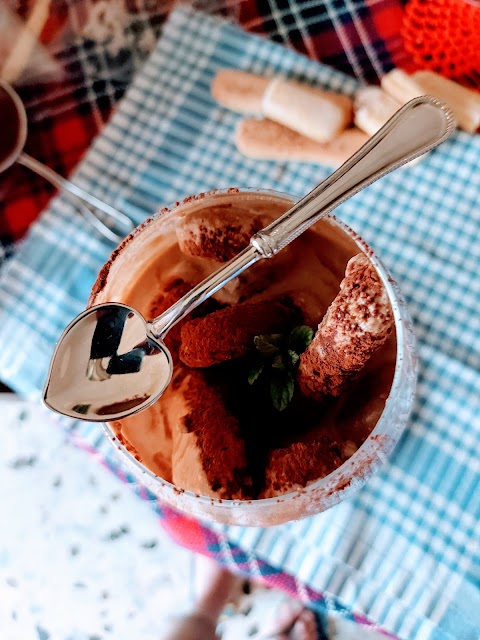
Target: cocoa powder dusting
(356, 324)
(172, 292)
(301, 463)
(229, 333)
(101, 280)
(117, 428)
(247, 449)
(218, 236)
(222, 449)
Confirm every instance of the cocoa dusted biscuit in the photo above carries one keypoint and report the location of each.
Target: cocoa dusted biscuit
(298, 463)
(356, 324)
(218, 233)
(229, 333)
(173, 290)
(208, 442)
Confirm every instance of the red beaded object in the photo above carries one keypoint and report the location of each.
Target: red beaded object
(444, 36)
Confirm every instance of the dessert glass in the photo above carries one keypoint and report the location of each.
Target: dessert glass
(128, 261)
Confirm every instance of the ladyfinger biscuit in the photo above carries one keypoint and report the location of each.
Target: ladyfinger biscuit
(464, 103)
(400, 86)
(268, 140)
(172, 292)
(218, 233)
(356, 324)
(312, 112)
(239, 91)
(373, 107)
(208, 452)
(298, 463)
(229, 333)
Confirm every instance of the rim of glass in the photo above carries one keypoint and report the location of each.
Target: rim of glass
(21, 128)
(355, 462)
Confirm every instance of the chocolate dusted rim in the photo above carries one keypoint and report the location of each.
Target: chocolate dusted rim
(102, 277)
(101, 280)
(362, 464)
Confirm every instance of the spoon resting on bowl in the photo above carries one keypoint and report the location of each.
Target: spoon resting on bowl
(110, 362)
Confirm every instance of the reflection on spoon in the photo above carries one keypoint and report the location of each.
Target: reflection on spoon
(118, 372)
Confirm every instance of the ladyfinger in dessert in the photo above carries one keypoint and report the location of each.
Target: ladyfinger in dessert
(218, 234)
(229, 333)
(208, 451)
(356, 324)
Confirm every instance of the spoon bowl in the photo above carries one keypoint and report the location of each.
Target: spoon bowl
(107, 366)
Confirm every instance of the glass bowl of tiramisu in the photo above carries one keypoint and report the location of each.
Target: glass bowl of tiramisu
(291, 385)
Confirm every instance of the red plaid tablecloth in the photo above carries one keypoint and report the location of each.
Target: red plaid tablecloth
(360, 37)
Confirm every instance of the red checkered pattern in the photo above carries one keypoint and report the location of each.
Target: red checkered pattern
(360, 38)
(65, 116)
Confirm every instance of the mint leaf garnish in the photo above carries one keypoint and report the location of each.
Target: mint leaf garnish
(294, 357)
(277, 358)
(268, 345)
(281, 390)
(255, 372)
(300, 338)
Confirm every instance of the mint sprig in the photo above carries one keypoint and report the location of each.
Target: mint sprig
(277, 358)
(300, 338)
(255, 372)
(282, 389)
(269, 344)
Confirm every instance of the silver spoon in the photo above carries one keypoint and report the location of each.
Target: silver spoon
(110, 362)
(12, 142)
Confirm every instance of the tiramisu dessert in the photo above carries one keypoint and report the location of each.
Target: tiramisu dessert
(281, 376)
